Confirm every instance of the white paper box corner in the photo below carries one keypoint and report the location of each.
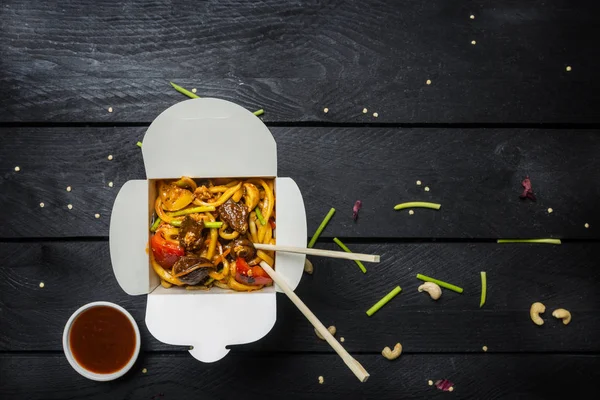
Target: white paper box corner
(203, 138)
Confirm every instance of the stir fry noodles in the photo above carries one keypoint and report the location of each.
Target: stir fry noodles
(203, 233)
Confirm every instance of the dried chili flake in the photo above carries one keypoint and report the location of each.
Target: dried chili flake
(527, 190)
(355, 209)
(444, 384)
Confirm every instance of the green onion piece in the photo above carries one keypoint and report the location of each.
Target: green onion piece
(193, 210)
(347, 250)
(546, 241)
(184, 91)
(417, 204)
(260, 216)
(213, 224)
(321, 227)
(440, 283)
(155, 225)
(175, 222)
(195, 96)
(139, 144)
(209, 281)
(383, 301)
(483, 288)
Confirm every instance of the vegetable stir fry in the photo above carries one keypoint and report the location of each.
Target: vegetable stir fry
(204, 230)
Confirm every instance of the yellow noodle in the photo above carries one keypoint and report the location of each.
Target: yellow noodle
(238, 195)
(221, 285)
(262, 230)
(186, 181)
(163, 273)
(269, 200)
(214, 238)
(240, 287)
(252, 226)
(265, 257)
(224, 197)
(160, 212)
(225, 235)
(268, 235)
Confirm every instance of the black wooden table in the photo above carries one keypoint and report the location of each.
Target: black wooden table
(468, 97)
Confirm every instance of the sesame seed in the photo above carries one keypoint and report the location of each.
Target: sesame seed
(410, 212)
(569, 68)
(69, 188)
(110, 184)
(110, 157)
(194, 90)
(321, 380)
(472, 16)
(70, 206)
(428, 81)
(430, 382)
(550, 211)
(473, 42)
(42, 205)
(427, 188)
(587, 225)
(42, 284)
(326, 110)
(484, 348)
(418, 183)
(110, 109)
(97, 215)
(451, 389)
(365, 111)
(342, 339)
(17, 169)
(144, 371)
(376, 114)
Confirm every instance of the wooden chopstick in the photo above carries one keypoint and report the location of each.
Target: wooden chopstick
(320, 253)
(354, 365)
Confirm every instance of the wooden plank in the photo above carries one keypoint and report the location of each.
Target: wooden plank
(296, 59)
(180, 377)
(474, 173)
(75, 273)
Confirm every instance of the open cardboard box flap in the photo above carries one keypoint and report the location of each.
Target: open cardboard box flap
(203, 138)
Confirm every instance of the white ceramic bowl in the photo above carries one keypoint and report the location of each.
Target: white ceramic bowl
(89, 374)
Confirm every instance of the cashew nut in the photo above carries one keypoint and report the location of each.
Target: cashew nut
(331, 330)
(392, 354)
(535, 311)
(432, 288)
(308, 267)
(563, 314)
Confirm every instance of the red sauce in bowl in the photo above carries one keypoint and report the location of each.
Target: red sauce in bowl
(102, 339)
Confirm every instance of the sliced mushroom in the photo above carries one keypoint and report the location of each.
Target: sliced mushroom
(243, 248)
(192, 270)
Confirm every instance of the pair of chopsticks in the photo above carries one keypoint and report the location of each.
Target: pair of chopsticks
(354, 365)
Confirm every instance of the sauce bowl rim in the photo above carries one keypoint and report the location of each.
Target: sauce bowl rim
(80, 369)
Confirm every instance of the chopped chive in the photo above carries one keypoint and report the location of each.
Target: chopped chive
(483, 288)
(321, 227)
(154, 226)
(195, 96)
(213, 224)
(260, 216)
(417, 204)
(347, 250)
(184, 91)
(546, 241)
(191, 211)
(139, 144)
(440, 283)
(175, 222)
(383, 301)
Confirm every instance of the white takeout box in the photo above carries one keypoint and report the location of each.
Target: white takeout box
(204, 138)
